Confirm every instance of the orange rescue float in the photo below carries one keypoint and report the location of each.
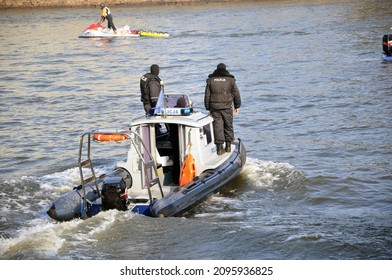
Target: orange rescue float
(109, 137)
(188, 170)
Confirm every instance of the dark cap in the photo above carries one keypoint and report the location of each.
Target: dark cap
(221, 66)
(102, 5)
(154, 69)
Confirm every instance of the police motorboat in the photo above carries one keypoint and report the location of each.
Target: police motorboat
(96, 30)
(171, 166)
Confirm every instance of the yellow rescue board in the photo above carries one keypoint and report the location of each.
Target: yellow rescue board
(154, 34)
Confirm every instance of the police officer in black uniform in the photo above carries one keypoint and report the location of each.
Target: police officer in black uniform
(220, 94)
(150, 87)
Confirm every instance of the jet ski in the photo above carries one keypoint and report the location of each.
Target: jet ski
(96, 30)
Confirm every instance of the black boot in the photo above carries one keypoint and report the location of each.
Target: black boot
(228, 147)
(219, 148)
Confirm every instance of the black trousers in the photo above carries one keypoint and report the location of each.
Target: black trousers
(223, 125)
(110, 22)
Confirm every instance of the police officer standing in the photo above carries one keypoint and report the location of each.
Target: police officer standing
(150, 87)
(220, 94)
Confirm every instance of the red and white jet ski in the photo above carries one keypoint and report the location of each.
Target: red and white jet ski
(96, 30)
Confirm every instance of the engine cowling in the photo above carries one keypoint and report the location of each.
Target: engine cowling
(114, 194)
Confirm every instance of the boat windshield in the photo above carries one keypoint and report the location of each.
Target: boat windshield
(177, 101)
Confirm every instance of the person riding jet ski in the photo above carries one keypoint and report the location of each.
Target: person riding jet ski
(106, 14)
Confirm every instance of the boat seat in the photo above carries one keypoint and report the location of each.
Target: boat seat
(164, 145)
(163, 160)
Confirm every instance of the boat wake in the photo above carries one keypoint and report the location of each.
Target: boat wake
(43, 238)
(260, 186)
(272, 176)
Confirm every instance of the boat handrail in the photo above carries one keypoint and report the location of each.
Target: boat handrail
(110, 136)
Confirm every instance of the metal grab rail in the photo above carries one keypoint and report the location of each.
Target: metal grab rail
(87, 162)
(135, 139)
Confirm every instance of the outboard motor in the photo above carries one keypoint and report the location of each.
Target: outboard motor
(114, 194)
(387, 44)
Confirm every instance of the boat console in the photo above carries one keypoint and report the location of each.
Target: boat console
(172, 105)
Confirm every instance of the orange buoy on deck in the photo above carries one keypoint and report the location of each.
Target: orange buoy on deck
(188, 170)
(109, 137)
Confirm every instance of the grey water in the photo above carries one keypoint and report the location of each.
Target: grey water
(316, 120)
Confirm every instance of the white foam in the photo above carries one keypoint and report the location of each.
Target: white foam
(64, 181)
(309, 237)
(270, 175)
(42, 237)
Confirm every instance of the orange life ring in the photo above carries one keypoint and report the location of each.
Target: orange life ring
(109, 137)
(188, 170)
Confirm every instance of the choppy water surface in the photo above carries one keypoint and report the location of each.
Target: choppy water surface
(316, 122)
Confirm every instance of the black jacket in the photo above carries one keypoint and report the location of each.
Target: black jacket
(221, 91)
(150, 87)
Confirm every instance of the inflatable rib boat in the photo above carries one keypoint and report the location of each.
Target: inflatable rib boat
(171, 167)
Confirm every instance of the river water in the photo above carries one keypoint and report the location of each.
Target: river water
(316, 121)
